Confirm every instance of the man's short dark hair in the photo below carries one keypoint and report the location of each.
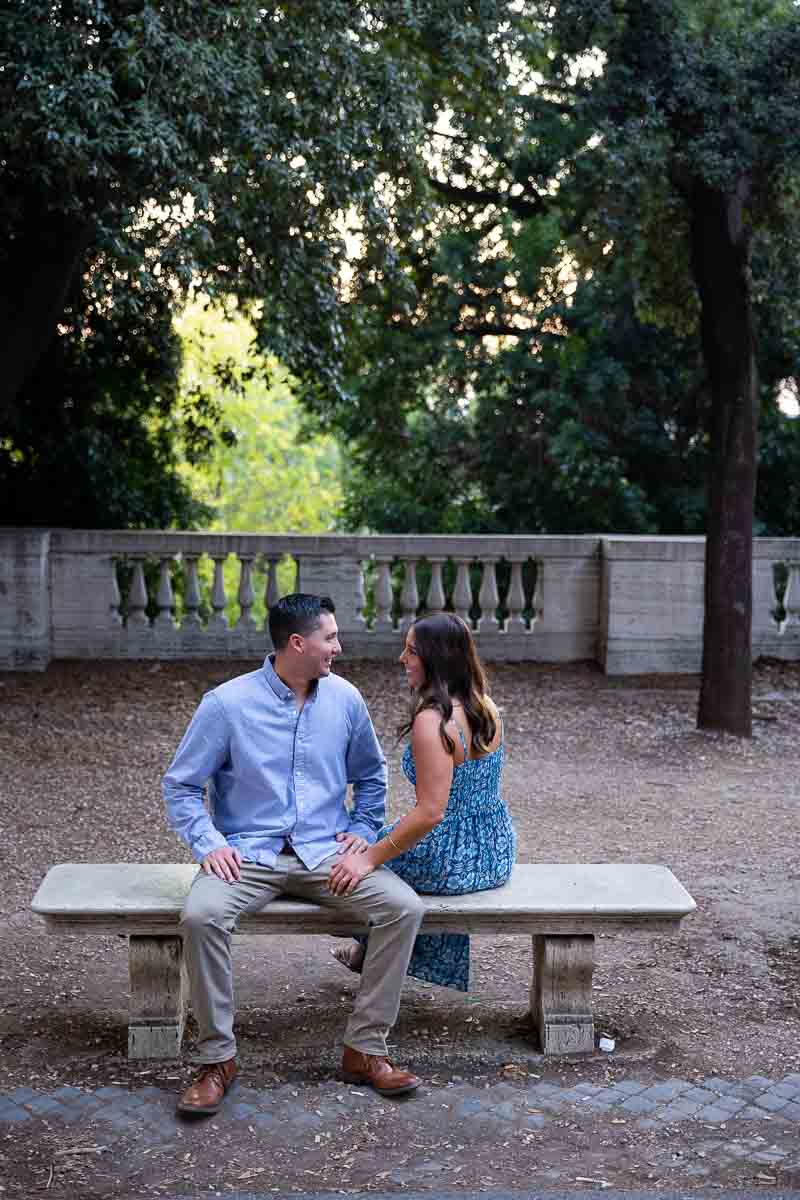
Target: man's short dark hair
(296, 613)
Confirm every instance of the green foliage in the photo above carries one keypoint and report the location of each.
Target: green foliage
(223, 145)
(104, 455)
(148, 150)
(778, 497)
(266, 478)
(421, 483)
(518, 347)
(541, 366)
(690, 92)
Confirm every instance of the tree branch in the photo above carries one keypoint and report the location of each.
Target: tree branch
(489, 329)
(522, 206)
(455, 137)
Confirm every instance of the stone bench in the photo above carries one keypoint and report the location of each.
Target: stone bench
(560, 905)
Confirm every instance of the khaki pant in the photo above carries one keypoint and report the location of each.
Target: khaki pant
(393, 910)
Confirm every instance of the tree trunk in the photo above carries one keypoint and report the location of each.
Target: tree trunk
(34, 284)
(721, 267)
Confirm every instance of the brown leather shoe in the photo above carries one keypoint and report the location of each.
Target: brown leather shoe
(206, 1093)
(377, 1073)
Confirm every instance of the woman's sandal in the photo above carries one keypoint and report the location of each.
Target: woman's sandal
(351, 957)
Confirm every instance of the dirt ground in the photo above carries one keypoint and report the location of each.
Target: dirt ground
(598, 770)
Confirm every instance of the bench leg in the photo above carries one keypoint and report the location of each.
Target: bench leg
(561, 995)
(159, 993)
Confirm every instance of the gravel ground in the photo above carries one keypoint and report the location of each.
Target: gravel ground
(598, 769)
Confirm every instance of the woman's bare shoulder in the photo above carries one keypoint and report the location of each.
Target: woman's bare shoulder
(426, 723)
(426, 739)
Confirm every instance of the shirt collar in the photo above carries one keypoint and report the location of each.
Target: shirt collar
(282, 690)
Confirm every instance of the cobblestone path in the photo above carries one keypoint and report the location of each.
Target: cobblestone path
(127, 1141)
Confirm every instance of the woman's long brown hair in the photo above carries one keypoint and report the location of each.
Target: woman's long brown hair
(446, 649)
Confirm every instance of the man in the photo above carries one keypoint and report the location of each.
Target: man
(278, 748)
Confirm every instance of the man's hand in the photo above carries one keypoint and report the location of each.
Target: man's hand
(347, 874)
(224, 862)
(351, 843)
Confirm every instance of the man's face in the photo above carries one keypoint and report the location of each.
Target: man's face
(321, 646)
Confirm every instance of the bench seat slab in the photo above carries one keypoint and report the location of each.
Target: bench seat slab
(539, 898)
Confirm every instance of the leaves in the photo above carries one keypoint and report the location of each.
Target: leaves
(540, 365)
(150, 151)
(264, 478)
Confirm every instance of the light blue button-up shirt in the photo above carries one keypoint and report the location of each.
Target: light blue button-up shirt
(276, 773)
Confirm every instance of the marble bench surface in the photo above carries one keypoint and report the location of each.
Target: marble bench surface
(539, 898)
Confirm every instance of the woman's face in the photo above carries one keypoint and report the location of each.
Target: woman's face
(415, 672)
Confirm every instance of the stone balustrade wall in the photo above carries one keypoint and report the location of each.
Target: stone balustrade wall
(635, 604)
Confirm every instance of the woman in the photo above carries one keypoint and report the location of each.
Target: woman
(459, 836)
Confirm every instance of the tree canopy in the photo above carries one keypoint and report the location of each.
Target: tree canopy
(148, 149)
(545, 351)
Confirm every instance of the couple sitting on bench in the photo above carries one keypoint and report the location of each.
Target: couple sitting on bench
(277, 748)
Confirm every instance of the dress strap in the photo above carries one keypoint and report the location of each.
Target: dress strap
(463, 740)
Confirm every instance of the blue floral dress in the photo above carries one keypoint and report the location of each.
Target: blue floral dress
(472, 849)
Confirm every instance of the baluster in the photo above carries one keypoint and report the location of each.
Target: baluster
(360, 597)
(384, 595)
(218, 598)
(791, 598)
(165, 597)
(489, 598)
(435, 601)
(137, 596)
(246, 595)
(271, 592)
(191, 592)
(409, 597)
(114, 598)
(537, 599)
(462, 592)
(515, 600)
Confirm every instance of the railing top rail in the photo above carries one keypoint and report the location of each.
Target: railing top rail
(152, 541)
(646, 548)
(784, 548)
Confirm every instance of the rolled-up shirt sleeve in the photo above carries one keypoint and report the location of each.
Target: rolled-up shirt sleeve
(203, 750)
(366, 770)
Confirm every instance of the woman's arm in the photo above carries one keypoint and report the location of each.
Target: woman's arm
(434, 768)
